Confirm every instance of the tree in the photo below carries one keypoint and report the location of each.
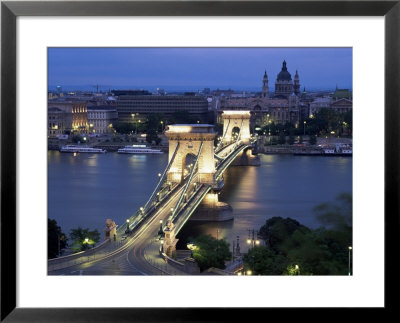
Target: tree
(210, 252)
(124, 127)
(264, 261)
(154, 122)
(56, 239)
(77, 139)
(336, 215)
(277, 229)
(151, 136)
(82, 239)
(291, 137)
(282, 138)
(313, 140)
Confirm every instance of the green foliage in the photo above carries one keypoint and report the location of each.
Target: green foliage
(124, 127)
(151, 136)
(313, 140)
(282, 138)
(76, 139)
(322, 123)
(211, 252)
(54, 235)
(154, 122)
(264, 261)
(276, 230)
(79, 235)
(291, 137)
(322, 251)
(336, 215)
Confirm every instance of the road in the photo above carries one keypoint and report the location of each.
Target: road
(138, 256)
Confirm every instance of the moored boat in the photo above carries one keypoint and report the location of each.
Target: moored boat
(81, 149)
(139, 149)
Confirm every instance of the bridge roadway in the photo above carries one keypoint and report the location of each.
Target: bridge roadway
(139, 253)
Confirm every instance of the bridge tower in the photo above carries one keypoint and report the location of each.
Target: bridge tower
(236, 119)
(190, 137)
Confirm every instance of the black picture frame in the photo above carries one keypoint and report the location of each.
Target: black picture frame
(10, 10)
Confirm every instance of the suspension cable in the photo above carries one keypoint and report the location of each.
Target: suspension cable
(161, 180)
(186, 185)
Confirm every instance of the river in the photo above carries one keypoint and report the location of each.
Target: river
(87, 189)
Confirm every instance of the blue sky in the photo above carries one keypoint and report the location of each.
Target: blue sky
(196, 68)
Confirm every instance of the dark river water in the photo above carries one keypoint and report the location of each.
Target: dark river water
(87, 189)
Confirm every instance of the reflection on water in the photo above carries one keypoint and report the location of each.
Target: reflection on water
(284, 185)
(87, 189)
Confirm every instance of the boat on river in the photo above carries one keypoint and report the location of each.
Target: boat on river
(139, 149)
(81, 149)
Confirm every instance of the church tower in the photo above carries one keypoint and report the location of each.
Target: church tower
(265, 86)
(284, 83)
(296, 85)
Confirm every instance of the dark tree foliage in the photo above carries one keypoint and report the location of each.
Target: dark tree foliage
(211, 252)
(55, 239)
(152, 136)
(313, 140)
(264, 261)
(293, 249)
(182, 117)
(322, 123)
(282, 138)
(154, 122)
(124, 127)
(79, 235)
(276, 230)
(291, 137)
(77, 138)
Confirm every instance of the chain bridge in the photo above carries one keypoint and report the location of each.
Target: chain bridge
(196, 164)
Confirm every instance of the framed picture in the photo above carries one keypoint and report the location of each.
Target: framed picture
(32, 31)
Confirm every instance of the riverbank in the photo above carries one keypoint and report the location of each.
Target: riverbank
(319, 149)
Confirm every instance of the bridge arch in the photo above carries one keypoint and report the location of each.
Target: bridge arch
(197, 140)
(236, 119)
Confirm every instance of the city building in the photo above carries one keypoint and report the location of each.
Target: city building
(284, 85)
(137, 107)
(58, 122)
(101, 118)
(75, 114)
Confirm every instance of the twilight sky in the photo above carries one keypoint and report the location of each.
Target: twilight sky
(196, 68)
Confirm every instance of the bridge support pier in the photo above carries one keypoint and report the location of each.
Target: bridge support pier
(246, 158)
(169, 245)
(211, 209)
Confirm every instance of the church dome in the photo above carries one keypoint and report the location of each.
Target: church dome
(284, 75)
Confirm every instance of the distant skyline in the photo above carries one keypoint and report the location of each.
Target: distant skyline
(176, 69)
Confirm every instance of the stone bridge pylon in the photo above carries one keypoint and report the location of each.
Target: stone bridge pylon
(190, 139)
(236, 120)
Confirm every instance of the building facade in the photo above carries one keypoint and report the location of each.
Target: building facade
(284, 84)
(101, 119)
(130, 108)
(75, 114)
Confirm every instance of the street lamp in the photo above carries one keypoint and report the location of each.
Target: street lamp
(161, 245)
(127, 226)
(304, 127)
(160, 232)
(253, 241)
(350, 249)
